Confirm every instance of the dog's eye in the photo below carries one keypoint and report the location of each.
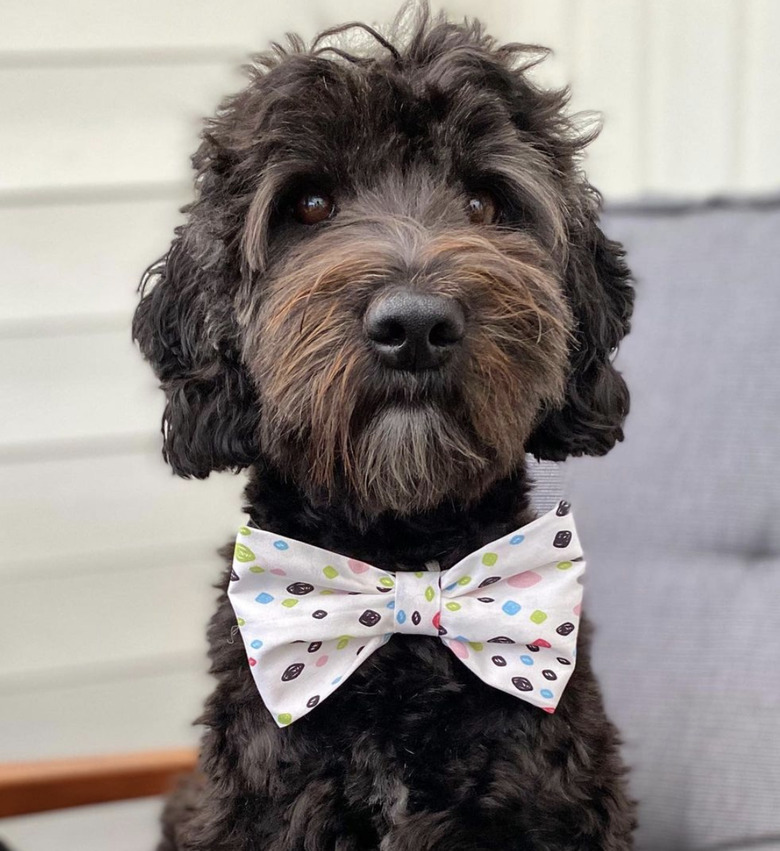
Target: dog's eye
(313, 207)
(482, 208)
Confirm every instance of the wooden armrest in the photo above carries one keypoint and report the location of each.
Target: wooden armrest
(31, 787)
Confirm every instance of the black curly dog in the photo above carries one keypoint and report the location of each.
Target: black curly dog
(392, 286)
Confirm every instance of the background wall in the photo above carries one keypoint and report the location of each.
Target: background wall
(106, 560)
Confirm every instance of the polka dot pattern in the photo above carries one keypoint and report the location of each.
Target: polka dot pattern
(508, 611)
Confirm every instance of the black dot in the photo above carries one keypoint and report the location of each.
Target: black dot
(300, 588)
(313, 701)
(549, 675)
(499, 660)
(563, 661)
(319, 614)
(522, 684)
(370, 618)
(315, 646)
(292, 671)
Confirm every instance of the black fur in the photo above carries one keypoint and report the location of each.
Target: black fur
(413, 753)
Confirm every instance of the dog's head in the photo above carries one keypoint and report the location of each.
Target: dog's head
(392, 284)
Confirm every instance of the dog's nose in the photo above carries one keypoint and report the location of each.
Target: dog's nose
(413, 331)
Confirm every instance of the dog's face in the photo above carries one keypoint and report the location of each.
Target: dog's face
(392, 285)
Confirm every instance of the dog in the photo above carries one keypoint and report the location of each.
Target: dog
(390, 289)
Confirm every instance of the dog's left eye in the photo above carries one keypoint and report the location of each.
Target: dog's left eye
(482, 208)
(313, 207)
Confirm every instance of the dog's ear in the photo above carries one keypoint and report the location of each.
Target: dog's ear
(184, 325)
(599, 287)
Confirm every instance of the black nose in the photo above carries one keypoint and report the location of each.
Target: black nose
(412, 331)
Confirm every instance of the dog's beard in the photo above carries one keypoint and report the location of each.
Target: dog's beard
(345, 428)
(409, 458)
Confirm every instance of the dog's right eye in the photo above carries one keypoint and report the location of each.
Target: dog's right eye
(311, 208)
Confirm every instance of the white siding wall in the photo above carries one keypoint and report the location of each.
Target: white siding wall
(106, 560)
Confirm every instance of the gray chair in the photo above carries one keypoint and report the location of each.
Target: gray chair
(681, 526)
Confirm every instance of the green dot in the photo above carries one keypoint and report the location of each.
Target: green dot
(476, 645)
(419, 573)
(285, 718)
(327, 591)
(429, 593)
(489, 559)
(453, 607)
(243, 553)
(330, 571)
(564, 565)
(240, 621)
(386, 581)
(343, 642)
(539, 616)
(244, 530)
(289, 603)
(464, 580)
(255, 568)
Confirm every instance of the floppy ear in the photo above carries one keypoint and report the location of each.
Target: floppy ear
(185, 327)
(599, 287)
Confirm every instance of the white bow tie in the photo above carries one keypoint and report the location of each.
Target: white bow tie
(509, 611)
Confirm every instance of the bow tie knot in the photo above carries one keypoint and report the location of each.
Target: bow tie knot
(417, 604)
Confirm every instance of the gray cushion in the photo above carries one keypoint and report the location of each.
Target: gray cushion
(681, 525)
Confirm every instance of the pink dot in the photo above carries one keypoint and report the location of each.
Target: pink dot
(252, 661)
(459, 649)
(577, 609)
(549, 709)
(323, 660)
(524, 580)
(540, 642)
(357, 566)
(278, 571)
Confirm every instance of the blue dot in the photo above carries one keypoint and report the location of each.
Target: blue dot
(400, 616)
(451, 587)
(336, 681)
(511, 608)
(462, 638)
(391, 604)
(517, 539)
(526, 660)
(264, 598)
(545, 692)
(281, 545)
(257, 644)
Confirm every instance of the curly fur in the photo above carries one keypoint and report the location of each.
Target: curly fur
(253, 324)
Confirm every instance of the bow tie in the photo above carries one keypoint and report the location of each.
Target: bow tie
(509, 611)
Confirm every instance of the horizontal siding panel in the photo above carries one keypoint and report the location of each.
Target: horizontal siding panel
(106, 126)
(67, 260)
(607, 75)
(75, 386)
(759, 125)
(246, 24)
(692, 87)
(158, 606)
(57, 510)
(83, 716)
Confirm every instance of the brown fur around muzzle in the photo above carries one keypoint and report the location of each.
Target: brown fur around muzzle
(401, 441)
